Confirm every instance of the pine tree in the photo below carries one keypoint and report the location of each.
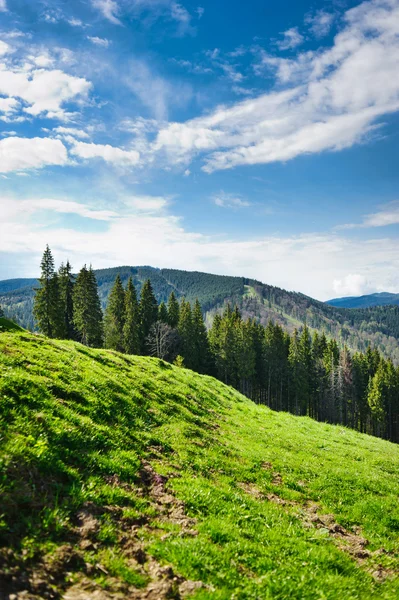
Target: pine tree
(201, 351)
(173, 311)
(66, 282)
(47, 304)
(88, 318)
(148, 312)
(163, 313)
(131, 329)
(114, 319)
(186, 333)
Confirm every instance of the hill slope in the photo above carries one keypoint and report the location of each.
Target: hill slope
(367, 301)
(378, 326)
(127, 477)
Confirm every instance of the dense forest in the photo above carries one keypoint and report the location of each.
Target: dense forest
(354, 328)
(302, 373)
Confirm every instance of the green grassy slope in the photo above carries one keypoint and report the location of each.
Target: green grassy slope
(127, 477)
(7, 325)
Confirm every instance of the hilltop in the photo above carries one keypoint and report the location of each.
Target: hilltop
(124, 476)
(378, 326)
(377, 299)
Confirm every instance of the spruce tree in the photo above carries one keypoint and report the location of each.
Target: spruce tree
(131, 329)
(47, 307)
(186, 333)
(148, 311)
(163, 313)
(88, 318)
(66, 282)
(201, 351)
(173, 311)
(114, 319)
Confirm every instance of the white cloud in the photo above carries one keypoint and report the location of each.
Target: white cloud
(109, 9)
(20, 154)
(43, 90)
(66, 207)
(153, 236)
(4, 48)
(334, 101)
(388, 216)
(351, 285)
(3, 6)
(225, 200)
(75, 22)
(109, 154)
(8, 105)
(97, 41)
(320, 23)
(71, 131)
(292, 39)
(200, 12)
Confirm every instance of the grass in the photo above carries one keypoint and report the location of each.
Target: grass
(76, 428)
(7, 325)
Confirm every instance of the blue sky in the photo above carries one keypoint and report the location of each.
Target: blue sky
(257, 139)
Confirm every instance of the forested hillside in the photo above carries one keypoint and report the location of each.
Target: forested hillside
(126, 477)
(378, 326)
(380, 299)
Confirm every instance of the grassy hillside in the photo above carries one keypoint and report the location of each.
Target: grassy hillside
(127, 477)
(378, 326)
(7, 325)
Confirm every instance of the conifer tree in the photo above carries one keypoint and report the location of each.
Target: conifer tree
(201, 351)
(47, 304)
(173, 311)
(148, 311)
(163, 313)
(114, 318)
(66, 282)
(186, 333)
(88, 318)
(131, 329)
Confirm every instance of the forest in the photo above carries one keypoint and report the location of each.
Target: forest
(303, 373)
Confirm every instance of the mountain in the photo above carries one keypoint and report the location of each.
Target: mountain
(126, 477)
(378, 326)
(378, 299)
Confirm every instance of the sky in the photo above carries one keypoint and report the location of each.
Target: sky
(258, 139)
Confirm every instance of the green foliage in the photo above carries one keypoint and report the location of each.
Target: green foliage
(88, 318)
(131, 329)
(48, 310)
(115, 317)
(173, 311)
(66, 284)
(78, 426)
(148, 311)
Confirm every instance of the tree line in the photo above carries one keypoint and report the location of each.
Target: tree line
(302, 373)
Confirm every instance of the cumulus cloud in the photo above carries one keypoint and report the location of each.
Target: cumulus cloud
(351, 285)
(110, 154)
(20, 154)
(291, 39)
(3, 6)
(332, 100)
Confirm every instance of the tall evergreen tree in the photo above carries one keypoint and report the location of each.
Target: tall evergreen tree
(186, 333)
(163, 313)
(173, 311)
(88, 318)
(47, 307)
(114, 318)
(66, 283)
(131, 329)
(201, 351)
(148, 312)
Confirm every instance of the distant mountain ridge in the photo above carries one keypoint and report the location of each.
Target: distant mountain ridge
(366, 301)
(357, 328)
